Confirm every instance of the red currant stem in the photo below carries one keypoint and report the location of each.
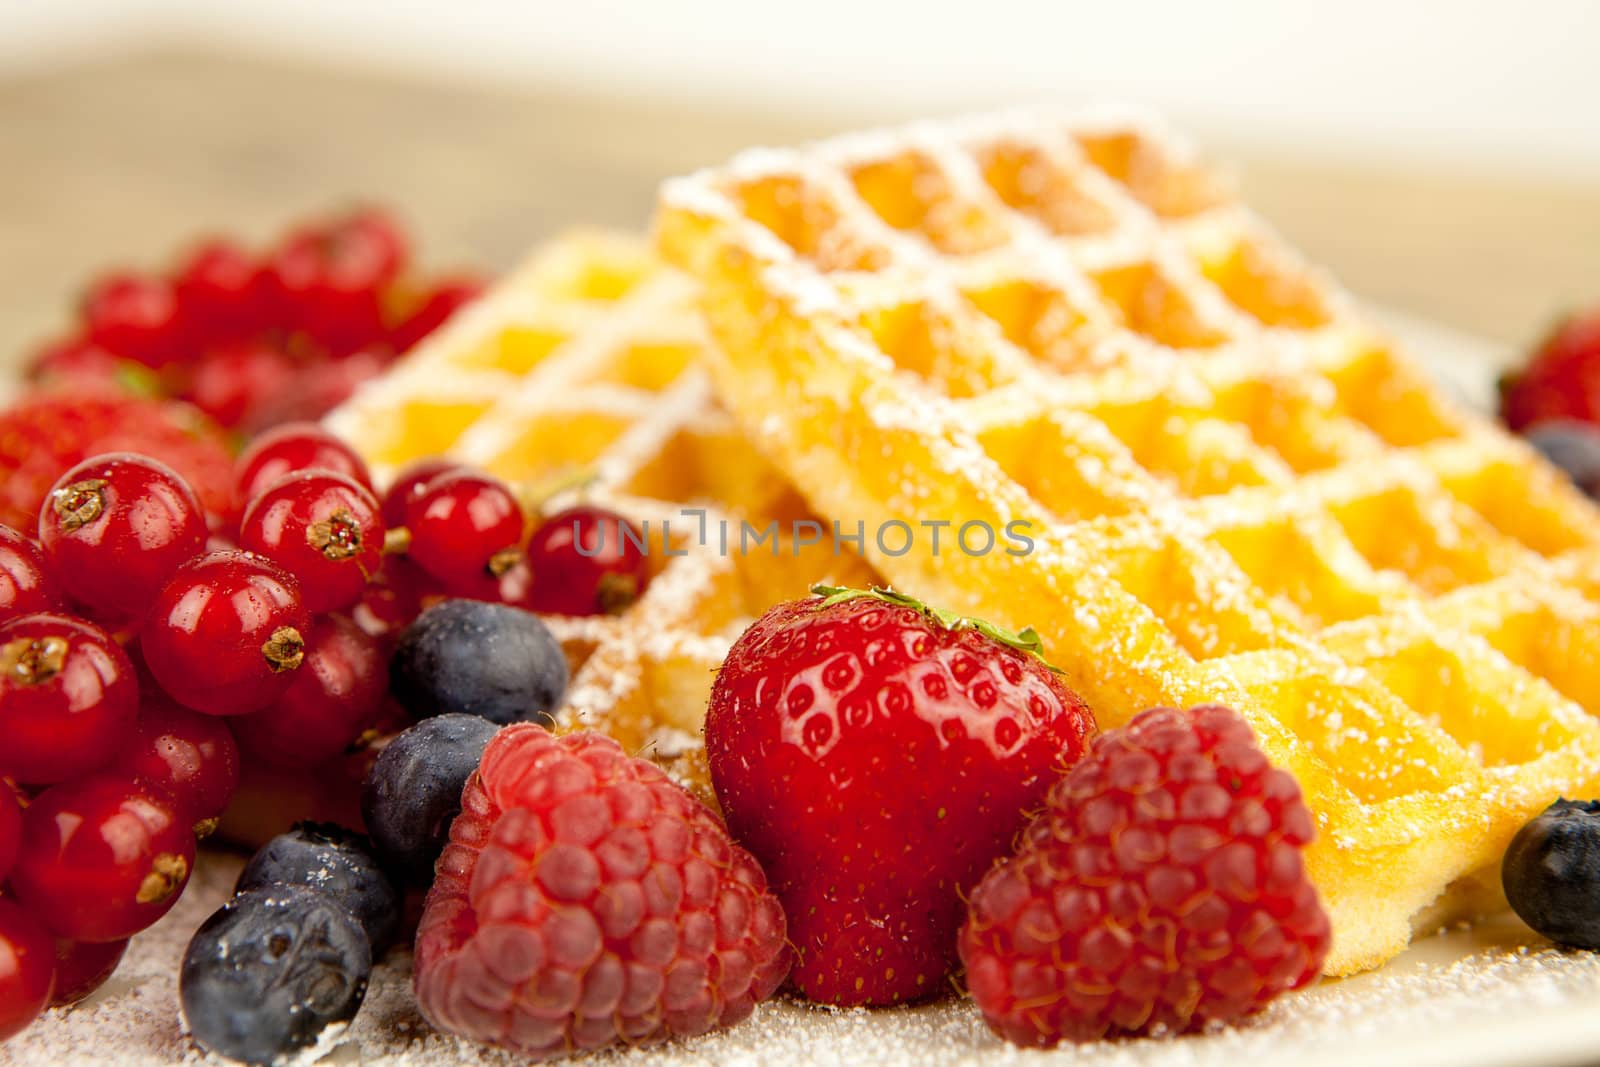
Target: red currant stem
(167, 873)
(33, 661)
(80, 503)
(396, 541)
(502, 561)
(533, 496)
(615, 593)
(285, 650)
(1026, 640)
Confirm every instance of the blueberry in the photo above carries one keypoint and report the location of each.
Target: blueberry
(413, 791)
(266, 974)
(490, 660)
(1574, 447)
(1551, 873)
(338, 861)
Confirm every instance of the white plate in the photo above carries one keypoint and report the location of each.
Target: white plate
(1494, 995)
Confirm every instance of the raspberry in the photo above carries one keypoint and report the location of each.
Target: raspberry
(585, 899)
(1162, 888)
(45, 434)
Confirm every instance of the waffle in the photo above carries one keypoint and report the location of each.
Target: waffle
(587, 361)
(1237, 491)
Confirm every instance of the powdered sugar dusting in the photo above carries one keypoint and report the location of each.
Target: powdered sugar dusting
(1494, 994)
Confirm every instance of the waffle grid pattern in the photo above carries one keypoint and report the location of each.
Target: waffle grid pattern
(1238, 492)
(587, 360)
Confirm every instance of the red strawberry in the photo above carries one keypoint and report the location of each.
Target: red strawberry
(1162, 889)
(877, 756)
(1561, 381)
(43, 435)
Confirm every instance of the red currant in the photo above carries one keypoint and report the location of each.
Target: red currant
(330, 280)
(217, 289)
(586, 561)
(390, 602)
(237, 377)
(294, 446)
(27, 967)
(136, 317)
(24, 586)
(10, 828)
(68, 698)
(319, 386)
(115, 527)
(82, 967)
(226, 633)
(191, 756)
(436, 308)
(102, 857)
(464, 526)
(334, 698)
(409, 484)
(324, 529)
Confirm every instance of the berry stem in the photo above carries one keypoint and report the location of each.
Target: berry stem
(1026, 640)
(535, 495)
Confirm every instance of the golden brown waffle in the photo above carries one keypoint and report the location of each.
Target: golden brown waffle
(1237, 492)
(587, 360)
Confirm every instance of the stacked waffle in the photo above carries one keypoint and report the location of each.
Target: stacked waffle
(585, 366)
(1232, 489)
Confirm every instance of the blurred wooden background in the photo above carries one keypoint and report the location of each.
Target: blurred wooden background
(122, 161)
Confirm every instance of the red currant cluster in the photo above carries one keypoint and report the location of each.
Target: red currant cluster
(254, 341)
(145, 657)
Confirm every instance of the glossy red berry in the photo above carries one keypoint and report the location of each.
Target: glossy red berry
(319, 386)
(135, 317)
(27, 966)
(192, 757)
(329, 280)
(217, 289)
(587, 560)
(324, 529)
(394, 598)
(114, 529)
(226, 633)
(238, 377)
(409, 484)
(82, 967)
(435, 310)
(294, 446)
(24, 585)
(10, 828)
(68, 698)
(336, 696)
(102, 857)
(464, 527)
